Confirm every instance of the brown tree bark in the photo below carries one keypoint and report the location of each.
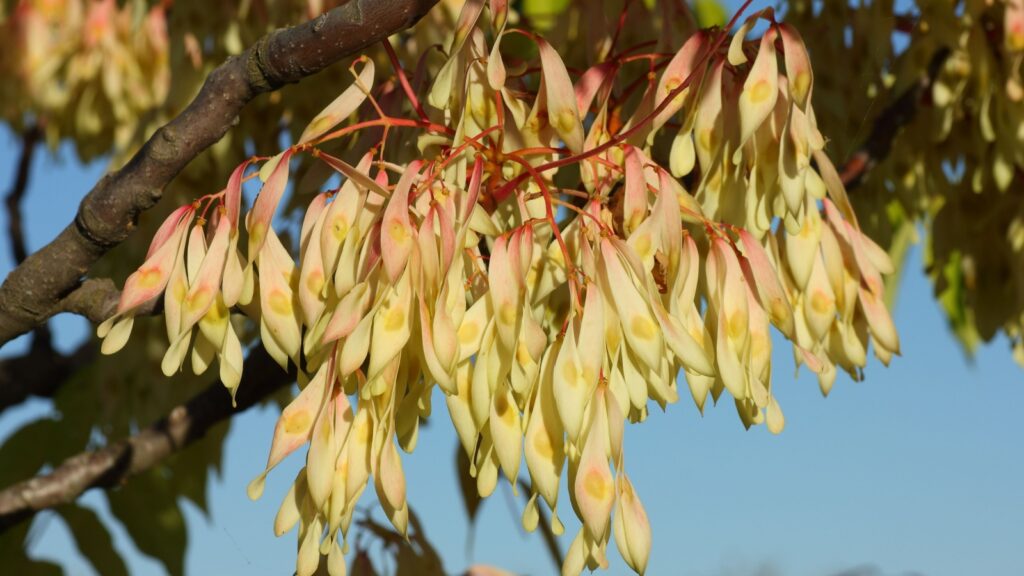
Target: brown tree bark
(116, 463)
(46, 281)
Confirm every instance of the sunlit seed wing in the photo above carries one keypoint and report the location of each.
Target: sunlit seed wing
(343, 106)
(259, 220)
(293, 427)
(397, 234)
(562, 111)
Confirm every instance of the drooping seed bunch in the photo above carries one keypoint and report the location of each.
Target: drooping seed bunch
(90, 68)
(954, 169)
(538, 264)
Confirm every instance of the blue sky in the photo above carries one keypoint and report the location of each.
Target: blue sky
(916, 469)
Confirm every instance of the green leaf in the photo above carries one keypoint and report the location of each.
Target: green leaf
(20, 453)
(542, 13)
(902, 235)
(93, 540)
(535, 8)
(14, 545)
(191, 468)
(953, 299)
(710, 13)
(80, 407)
(34, 567)
(147, 507)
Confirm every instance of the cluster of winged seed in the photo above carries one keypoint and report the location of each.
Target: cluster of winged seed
(954, 168)
(979, 109)
(548, 315)
(89, 68)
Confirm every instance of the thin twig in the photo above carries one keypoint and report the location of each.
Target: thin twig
(39, 373)
(33, 291)
(409, 92)
(116, 463)
(29, 140)
(544, 524)
(889, 123)
(42, 342)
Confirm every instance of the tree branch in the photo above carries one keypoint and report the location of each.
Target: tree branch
(39, 372)
(41, 341)
(34, 291)
(17, 192)
(113, 465)
(42, 370)
(889, 124)
(96, 299)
